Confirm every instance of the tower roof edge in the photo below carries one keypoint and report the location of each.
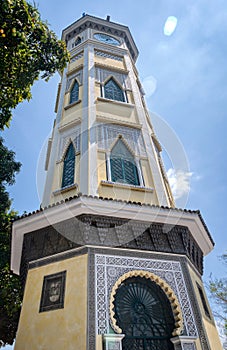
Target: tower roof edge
(105, 25)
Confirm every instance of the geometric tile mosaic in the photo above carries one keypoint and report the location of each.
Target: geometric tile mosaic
(109, 268)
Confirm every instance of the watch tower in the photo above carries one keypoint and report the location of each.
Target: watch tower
(108, 262)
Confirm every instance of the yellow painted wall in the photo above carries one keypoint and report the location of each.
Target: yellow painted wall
(117, 111)
(73, 112)
(130, 97)
(101, 166)
(75, 64)
(146, 173)
(57, 329)
(209, 325)
(119, 191)
(97, 90)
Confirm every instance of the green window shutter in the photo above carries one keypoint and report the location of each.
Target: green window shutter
(123, 167)
(116, 170)
(113, 91)
(130, 172)
(74, 93)
(69, 167)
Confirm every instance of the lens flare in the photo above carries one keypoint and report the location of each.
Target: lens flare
(170, 25)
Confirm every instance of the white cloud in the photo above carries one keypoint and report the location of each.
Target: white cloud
(179, 182)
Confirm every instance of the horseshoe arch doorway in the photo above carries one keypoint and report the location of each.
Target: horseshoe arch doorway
(143, 313)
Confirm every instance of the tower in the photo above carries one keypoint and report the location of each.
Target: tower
(108, 262)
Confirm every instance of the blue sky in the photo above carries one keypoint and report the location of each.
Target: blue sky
(184, 77)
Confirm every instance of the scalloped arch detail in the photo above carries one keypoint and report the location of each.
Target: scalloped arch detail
(121, 137)
(66, 146)
(175, 305)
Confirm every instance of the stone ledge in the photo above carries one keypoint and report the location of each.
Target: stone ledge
(65, 189)
(127, 186)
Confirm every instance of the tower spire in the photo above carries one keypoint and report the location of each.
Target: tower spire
(100, 98)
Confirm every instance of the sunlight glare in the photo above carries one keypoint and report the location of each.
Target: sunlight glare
(170, 25)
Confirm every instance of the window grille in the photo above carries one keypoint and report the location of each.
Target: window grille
(143, 312)
(123, 167)
(74, 93)
(112, 91)
(69, 167)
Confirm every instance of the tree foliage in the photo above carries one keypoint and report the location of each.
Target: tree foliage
(10, 291)
(218, 290)
(27, 48)
(8, 168)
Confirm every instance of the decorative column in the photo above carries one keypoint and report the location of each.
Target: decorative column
(108, 166)
(139, 171)
(184, 343)
(113, 341)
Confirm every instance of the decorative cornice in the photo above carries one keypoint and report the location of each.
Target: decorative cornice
(102, 25)
(70, 124)
(83, 204)
(111, 68)
(74, 70)
(112, 120)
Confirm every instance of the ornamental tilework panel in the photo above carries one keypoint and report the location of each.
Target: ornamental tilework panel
(108, 270)
(188, 346)
(78, 75)
(102, 74)
(107, 134)
(108, 55)
(73, 135)
(77, 57)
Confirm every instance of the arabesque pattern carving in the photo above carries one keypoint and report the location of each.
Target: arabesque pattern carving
(109, 268)
(108, 55)
(107, 134)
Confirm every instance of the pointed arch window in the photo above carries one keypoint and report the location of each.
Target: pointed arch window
(69, 167)
(122, 165)
(78, 41)
(112, 91)
(74, 93)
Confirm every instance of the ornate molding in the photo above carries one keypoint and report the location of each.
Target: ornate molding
(108, 54)
(112, 232)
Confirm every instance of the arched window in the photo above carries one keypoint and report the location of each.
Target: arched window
(69, 167)
(144, 313)
(122, 165)
(74, 93)
(78, 41)
(112, 91)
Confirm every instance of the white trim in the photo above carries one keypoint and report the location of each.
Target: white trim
(139, 171)
(96, 206)
(127, 185)
(108, 167)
